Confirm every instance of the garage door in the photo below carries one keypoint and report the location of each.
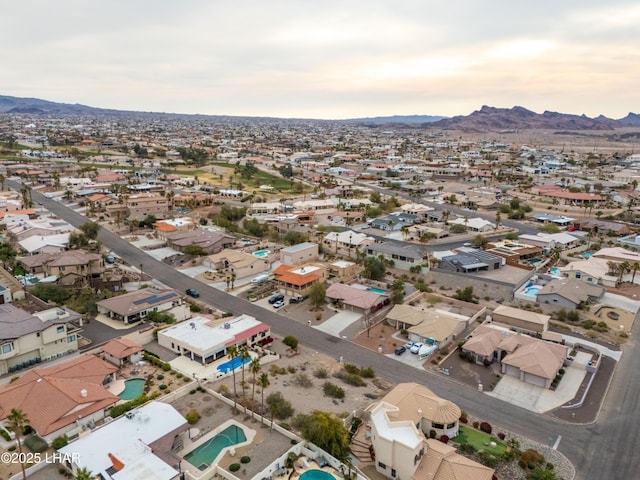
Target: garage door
(534, 380)
(512, 371)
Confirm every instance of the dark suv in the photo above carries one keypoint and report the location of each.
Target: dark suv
(276, 298)
(193, 293)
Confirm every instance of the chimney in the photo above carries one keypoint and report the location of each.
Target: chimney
(83, 393)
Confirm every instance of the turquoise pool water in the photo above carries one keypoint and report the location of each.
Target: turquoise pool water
(261, 253)
(203, 456)
(133, 388)
(374, 290)
(316, 475)
(232, 364)
(532, 291)
(555, 271)
(587, 255)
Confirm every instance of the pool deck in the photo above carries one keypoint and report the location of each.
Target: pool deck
(116, 387)
(304, 464)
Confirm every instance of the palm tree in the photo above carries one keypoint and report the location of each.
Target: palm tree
(232, 353)
(254, 368)
(263, 381)
(84, 474)
(498, 219)
(622, 269)
(16, 421)
(244, 356)
(634, 268)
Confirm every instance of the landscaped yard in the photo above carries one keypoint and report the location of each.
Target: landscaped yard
(479, 440)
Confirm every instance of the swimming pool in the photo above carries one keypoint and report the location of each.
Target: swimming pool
(555, 271)
(532, 291)
(133, 388)
(261, 253)
(232, 364)
(587, 255)
(203, 456)
(316, 475)
(377, 290)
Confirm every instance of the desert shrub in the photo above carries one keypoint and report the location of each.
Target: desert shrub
(367, 373)
(486, 427)
(467, 448)
(192, 392)
(464, 420)
(35, 443)
(476, 424)
(351, 379)
(291, 369)
(303, 380)
(488, 459)
(530, 458)
(321, 373)
(501, 436)
(444, 439)
(279, 406)
(163, 387)
(166, 367)
(179, 375)
(432, 433)
(160, 376)
(234, 467)
(245, 459)
(333, 390)
(275, 370)
(351, 369)
(5, 434)
(60, 442)
(192, 417)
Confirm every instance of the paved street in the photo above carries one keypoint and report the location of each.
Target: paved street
(606, 450)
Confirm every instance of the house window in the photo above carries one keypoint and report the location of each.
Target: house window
(578, 275)
(437, 425)
(60, 329)
(7, 347)
(393, 473)
(71, 338)
(451, 425)
(382, 465)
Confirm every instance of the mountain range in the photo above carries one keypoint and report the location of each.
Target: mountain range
(487, 118)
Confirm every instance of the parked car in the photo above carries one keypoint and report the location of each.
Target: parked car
(276, 298)
(193, 293)
(400, 350)
(298, 299)
(408, 345)
(278, 304)
(416, 347)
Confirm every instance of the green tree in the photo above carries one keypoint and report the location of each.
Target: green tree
(84, 474)
(291, 342)
(466, 295)
(232, 353)
(549, 228)
(254, 368)
(457, 228)
(90, 230)
(16, 421)
(480, 241)
(193, 250)
(374, 268)
(317, 295)
(542, 474)
(326, 431)
(293, 238)
(263, 382)
(397, 291)
(279, 407)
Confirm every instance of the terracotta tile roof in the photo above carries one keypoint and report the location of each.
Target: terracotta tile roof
(56, 397)
(282, 269)
(164, 227)
(298, 280)
(121, 348)
(262, 327)
(25, 211)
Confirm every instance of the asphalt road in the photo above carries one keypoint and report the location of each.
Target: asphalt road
(606, 450)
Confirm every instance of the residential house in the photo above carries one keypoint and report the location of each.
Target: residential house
(400, 426)
(140, 206)
(135, 306)
(343, 270)
(529, 359)
(389, 223)
(204, 341)
(299, 280)
(61, 399)
(71, 267)
(138, 445)
(470, 260)
(240, 263)
(618, 254)
(211, 242)
(515, 253)
(357, 299)
(475, 224)
(346, 242)
(569, 293)
(521, 320)
(594, 270)
(28, 228)
(603, 227)
(27, 339)
(559, 220)
(300, 253)
(403, 256)
(121, 351)
(549, 241)
(173, 225)
(51, 244)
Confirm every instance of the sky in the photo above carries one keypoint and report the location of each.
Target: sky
(325, 58)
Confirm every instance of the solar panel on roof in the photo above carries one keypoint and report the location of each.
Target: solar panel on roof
(148, 299)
